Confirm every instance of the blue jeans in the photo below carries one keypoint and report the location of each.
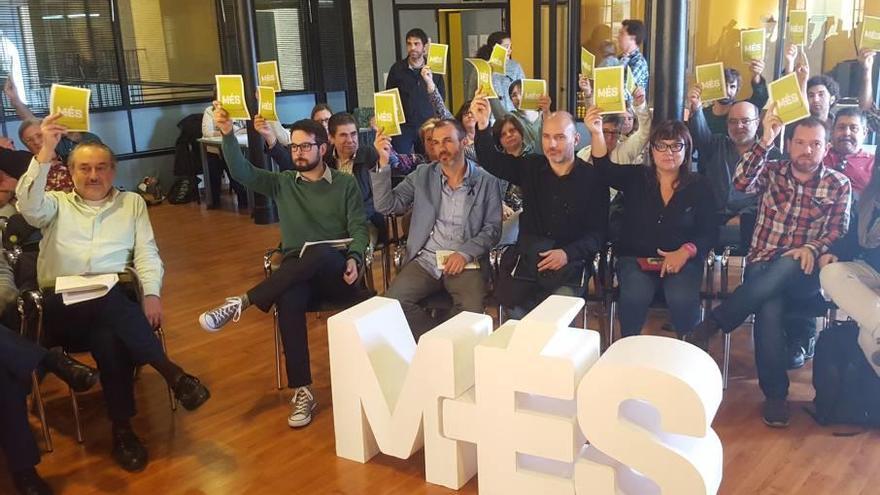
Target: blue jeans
(771, 290)
(637, 290)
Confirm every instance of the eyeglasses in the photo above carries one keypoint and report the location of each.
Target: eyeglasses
(739, 122)
(304, 147)
(610, 133)
(663, 147)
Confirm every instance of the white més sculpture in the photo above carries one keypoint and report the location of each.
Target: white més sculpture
(520, 403)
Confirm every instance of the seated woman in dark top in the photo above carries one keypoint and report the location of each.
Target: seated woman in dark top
(669, 224)
(508, 133)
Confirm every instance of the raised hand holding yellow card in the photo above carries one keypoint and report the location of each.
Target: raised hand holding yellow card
(498, 59)
(588, 63)
(398, 104)
(532, 90)
(608, 89)
(269, 76)
(797, 27)
(230, 94)
(870, 38)
(711, 79)
(791, 103)
(751, 43)
(267, 103)
(386, 114)
(630, 81)
(484, 77)
(437, 57)
(73, 104)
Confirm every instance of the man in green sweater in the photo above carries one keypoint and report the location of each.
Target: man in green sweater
(315, 203)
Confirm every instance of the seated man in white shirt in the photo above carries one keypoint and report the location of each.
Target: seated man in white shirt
(98, 229)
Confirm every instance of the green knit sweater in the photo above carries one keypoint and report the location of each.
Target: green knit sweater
(308, 211)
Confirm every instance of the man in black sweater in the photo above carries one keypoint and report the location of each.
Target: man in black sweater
(565, 213)
(405, 75)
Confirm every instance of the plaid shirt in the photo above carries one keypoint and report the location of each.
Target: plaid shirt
(792, 214)
(639, 67)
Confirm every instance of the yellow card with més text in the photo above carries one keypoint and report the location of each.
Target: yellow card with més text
(498, 59)
(398, 104)
(608, 90)
(484, 77)
(791, 103)
(532, 90)
(588, 63)
(751, 42)
(73, 105)
(870, 38)
(230, 94)
(386, 114)
(437, 55)
(712, 81)
(798, 21)
(269, 76)
(267, 103)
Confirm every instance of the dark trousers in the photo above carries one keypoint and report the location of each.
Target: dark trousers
(637, 290)
(116, 332)
(521, 296)
(774, 291)
(408, 140)
(315, 276)
(18, 358)
(217, 166)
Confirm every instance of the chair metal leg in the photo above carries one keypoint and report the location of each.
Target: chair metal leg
(385, 262)
(41, 410)
(76, 420)
(609, 336)
(161, 334)
(277, 349)
(725, 363)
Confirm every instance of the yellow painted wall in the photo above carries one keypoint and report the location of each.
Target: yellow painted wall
(190, 27)
(456, 50)
(522, 37)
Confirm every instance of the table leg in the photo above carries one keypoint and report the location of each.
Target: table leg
(206, 175)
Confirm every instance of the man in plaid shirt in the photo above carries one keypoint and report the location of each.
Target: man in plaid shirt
(804, 208)
(632, 34)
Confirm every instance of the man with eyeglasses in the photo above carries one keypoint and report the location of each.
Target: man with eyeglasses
(623, 149)
(719, 155)
(718, 112)
(315, 204)
(804, 207)
(846, 154)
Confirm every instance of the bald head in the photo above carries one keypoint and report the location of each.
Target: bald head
(742, 122)
(559, 138)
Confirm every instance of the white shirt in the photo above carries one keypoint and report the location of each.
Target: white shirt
(239, 127)
(79, 238)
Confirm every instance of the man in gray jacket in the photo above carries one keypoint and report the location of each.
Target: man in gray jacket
(456, 220)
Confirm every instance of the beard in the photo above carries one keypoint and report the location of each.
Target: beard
(303, 165)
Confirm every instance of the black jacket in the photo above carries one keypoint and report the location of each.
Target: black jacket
(413, 94)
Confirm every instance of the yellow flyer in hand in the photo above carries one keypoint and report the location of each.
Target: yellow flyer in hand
(269, 76)
(386, 114)
(797, 27)
(791, 104)
(484, 77)
(608, 89)
(230, 94)
(870, 33)
(588, 63)
(630, 81)
(711, 78)
(751, 42)
(498, 59)
(437, 55)
(267, 103)
(73, 104)
(398, 104)
(532, 90)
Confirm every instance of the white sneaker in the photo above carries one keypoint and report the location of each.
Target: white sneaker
(214, 320)
(301, 406)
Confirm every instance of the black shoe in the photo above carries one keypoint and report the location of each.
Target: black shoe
(702, 334)
(79, 376)
(190, 392)
(797, 358)
(128, 450)
(28, 482)
(775, 412)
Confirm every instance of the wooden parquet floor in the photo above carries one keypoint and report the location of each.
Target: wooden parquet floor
(239, 442)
